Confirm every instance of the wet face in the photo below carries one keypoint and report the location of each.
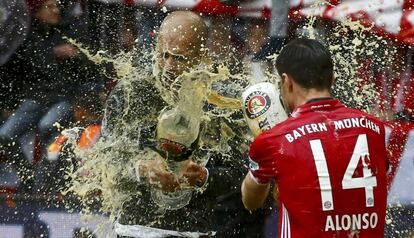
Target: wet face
(176, 55)
(178, 50)
(48, 13)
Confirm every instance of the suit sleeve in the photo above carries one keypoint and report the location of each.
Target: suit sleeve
(227, 168)
(225, 175)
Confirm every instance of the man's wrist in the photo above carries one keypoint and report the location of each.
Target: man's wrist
(203, 177)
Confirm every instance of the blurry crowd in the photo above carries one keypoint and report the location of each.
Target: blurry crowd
(47, 81)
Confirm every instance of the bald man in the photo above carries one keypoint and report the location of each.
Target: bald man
(181, 42)
(180, 47)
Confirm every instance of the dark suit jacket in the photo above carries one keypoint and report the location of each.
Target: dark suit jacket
(218, 207)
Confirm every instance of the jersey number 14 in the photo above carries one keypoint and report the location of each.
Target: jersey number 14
(367, 181)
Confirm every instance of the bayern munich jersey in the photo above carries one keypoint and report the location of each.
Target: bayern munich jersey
(329, 164)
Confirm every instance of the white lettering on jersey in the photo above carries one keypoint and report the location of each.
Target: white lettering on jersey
(351, 222)
(304, 130)
(339, 125)
(289, 137)
(356, 122)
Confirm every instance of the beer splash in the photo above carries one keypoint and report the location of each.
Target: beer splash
(109, 165)
(104, 174)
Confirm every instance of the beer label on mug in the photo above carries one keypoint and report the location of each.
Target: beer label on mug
(262, 107)
(256, 104)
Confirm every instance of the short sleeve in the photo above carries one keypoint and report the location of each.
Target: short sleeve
(262, 159)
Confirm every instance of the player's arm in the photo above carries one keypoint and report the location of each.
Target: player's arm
(254, 194)
(256, 184)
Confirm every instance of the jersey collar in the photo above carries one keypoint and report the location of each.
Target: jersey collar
(317, 104)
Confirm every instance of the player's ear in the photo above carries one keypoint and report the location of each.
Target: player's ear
(287, 82)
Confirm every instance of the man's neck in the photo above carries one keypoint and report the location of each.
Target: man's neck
(312, 94)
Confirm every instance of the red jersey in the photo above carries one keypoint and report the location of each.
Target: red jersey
(329, 164)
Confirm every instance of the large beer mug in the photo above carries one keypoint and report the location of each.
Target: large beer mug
(262, 107)
(177, 134)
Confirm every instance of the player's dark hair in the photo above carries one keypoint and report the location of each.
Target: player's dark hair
(308, 62)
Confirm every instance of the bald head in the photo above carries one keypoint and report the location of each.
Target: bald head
(182, 36)
(184, 27)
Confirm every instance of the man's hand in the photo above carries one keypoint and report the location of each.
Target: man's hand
(155, 171)
(194, 175)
